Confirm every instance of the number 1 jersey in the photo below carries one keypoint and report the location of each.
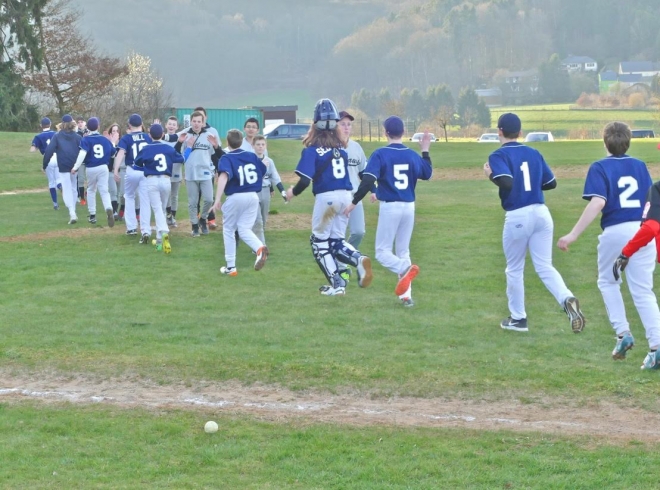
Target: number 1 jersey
(132, 143)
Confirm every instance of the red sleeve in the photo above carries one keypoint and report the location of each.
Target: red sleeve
(649, 230)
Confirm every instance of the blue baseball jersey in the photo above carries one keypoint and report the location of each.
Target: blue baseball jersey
(41, 140)
(326, 167)
(245, 172)
(528, 170)
(623, 182)
(99, 150)
(132, 143)
(157, 158)
(397, 169)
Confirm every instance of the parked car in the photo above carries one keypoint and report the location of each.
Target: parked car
(288, 131)
(539, 136)
(417, 137)
(642, 133)
(489, 138)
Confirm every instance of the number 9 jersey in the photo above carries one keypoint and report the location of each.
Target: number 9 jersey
(245, 171)
(623, 182)
(326, 168)
(99, 150)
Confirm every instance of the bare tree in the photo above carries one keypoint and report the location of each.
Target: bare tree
(445, 117)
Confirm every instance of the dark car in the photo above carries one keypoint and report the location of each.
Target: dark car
(288, 131)
(642, 133)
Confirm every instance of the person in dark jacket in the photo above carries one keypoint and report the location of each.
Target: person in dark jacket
(65, 144)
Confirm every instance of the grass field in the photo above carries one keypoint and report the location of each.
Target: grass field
(112, 356)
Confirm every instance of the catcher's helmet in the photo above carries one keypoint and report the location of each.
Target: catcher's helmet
(326, 115)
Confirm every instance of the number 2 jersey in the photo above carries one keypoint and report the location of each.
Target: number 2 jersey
(245, 171)
(326, 168)
(132, 143)
(158, 158)
(99, 150)
(623, 182)
(397, 169)
(527, 168)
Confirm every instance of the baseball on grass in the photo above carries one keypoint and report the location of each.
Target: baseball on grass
(153, 242)
(210, 427)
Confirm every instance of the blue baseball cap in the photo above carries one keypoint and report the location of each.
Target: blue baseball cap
(135, 120)
(93, 124)
(66, 118)
(45, 122)
(509, 123)
(156, 131)
(393, 126)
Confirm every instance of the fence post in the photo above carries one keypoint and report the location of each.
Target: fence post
(361, 130)
(369, 131)
(378, 122)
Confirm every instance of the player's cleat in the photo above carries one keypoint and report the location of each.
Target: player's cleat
(83, 202)
(345, 274)
(170, 219)
(407, 302)
(195, 231)
(229, 271)
(212, 224)
(515, 325)
(330, 291)
(73, 220)
(167, 246)
(405, 280)
(145, 239)
(575, 316)
(262, 256)
(203, 227)
(173, 225)
(364, 273)
(92, 219)
(120, 216)
(159, 246)
(111, 217)
(56, 206)
(623, 345)
(651, 361)
(131, 232)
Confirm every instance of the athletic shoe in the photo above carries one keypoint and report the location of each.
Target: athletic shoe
(572, 309)
(145, 240)
(212, 224)
(229, 271)
(56, 206)
(159, 246)
(167, 246)
(111, 217)
(407, 302)
(83, 202)
(515, 325)
(262, 256)
(173, 225)
(170, 220)
(78, 200)
(121, 216)
(131, 232)
(623, 345)
(651, 361)
(92, 219)
(330, 291)
(195, 231)
(203, 227)
(364, 272)
(73, 220)
(405, 280)
(345, 274)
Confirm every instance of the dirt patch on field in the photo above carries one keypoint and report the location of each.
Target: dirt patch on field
(554, 416)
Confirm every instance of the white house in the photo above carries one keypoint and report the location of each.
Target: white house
(643, 68)
(579, 63)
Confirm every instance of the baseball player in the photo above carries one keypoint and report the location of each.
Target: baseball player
(396, 168)
(112, 133)
(95, 153)
(40, 142)
(240, 176)
(134, 181)
(65, 146)
(157, 160)
(616, 186)
(82, 174)
(522, 175)
(171, 126)
(323, 163)
(271, 177)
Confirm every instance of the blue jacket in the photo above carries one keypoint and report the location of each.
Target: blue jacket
(66, 145)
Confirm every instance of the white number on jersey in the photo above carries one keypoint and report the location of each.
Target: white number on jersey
(137, 148)
(525, 170)
(248, 173)
(630, 185)
(48, 142)
(400, 177)
(98, 151)
(162, 162)
(338, 168)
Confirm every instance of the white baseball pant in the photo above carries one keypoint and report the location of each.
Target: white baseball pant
(239, 212)
(135, 182)
(259, 227)
(393, 233)
(112, 186)
(69, 192)
(97, 179)
(158, 187)
(356, 226)
(328, 219)
(53, 174)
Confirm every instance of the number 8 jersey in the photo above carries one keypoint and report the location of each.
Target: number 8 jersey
(326, 168)
(623, 182)
(245, 172)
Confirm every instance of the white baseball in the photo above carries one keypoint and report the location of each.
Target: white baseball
(210, 427)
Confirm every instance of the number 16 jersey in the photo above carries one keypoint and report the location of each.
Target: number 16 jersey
(245, 171)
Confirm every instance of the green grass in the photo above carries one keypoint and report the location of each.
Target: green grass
(99, 305)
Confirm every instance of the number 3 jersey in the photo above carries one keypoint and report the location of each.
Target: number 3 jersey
(245, 172)
(623, 182)
(99, 150)
(397, 169)
(326, 168)
(157, 158)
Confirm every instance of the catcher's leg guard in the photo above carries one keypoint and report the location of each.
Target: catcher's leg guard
(344, 252)
(326, 261)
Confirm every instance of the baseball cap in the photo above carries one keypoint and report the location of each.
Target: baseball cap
(135, 120)
(45, 122)
(66, 118)
(156, 131)
(93, 123)
(344, 114)
(393, 126)
(509, 123)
